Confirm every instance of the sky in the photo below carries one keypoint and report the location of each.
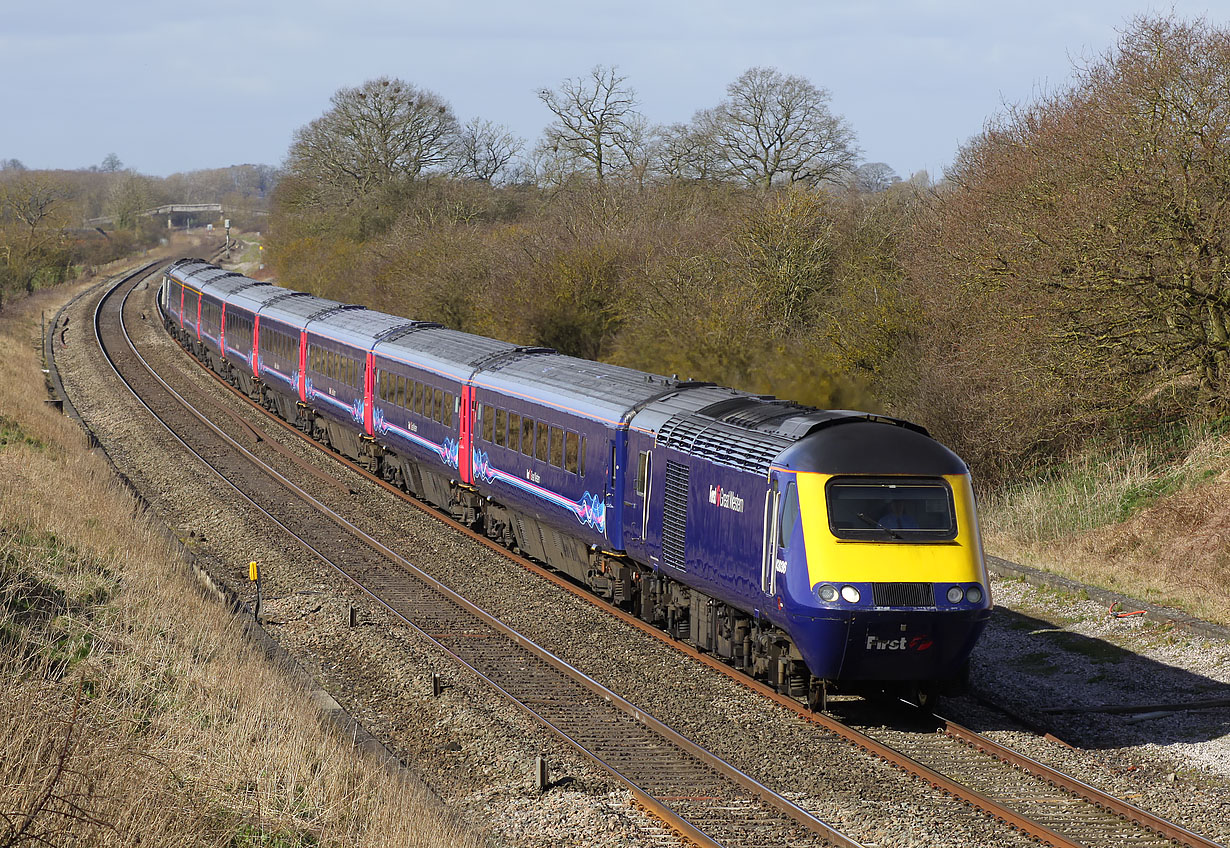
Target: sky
(171, 87)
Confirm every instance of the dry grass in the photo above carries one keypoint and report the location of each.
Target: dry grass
(131, 709)
(1148, 520)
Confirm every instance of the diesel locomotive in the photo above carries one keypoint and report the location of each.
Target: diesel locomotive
(818, 550)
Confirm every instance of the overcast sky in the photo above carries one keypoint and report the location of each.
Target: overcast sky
(173, 87)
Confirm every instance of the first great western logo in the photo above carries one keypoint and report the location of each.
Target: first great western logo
(719, 497)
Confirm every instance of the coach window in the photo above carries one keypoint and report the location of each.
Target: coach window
(557, 447)
(514, 430)
(542, 452)
(446, 415)
(581, 458)
(527, 436)
(570, 452)
(489, 423)
(642, 465)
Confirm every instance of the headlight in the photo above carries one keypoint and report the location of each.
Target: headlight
(974, 594)
(850, 594)
(827, 593)
(955, 594)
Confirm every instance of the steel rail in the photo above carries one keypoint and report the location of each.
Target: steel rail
(663, 810)
(1108, 802)
(989, 747)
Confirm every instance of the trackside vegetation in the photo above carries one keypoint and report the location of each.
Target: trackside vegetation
(1050, 308)
(132, 710)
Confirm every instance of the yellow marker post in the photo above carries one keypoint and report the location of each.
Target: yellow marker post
(255, 576)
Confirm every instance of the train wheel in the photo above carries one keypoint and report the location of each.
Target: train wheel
(922, 694)
(818, 696)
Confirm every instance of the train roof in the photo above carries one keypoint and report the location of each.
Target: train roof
(361, 328)
(205, 276)
(298, 311)
(180, 269)
(743, 430)
(223, 288)
(868, 444)
(595, 389)
(255, 298)
(448, 352)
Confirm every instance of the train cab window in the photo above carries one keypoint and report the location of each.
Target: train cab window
(514, 430)
(570, 452)
(789, 515)
(527, 436)
(542, 452)
(556, 436)
(642, 467)
(893, 510)
(499, 427)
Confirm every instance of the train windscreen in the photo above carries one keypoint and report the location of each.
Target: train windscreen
(897, 510)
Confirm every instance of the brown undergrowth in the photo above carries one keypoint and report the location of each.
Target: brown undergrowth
(1148, 522)
(132, 710)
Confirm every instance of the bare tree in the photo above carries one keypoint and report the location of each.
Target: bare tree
(871, 177)
(384, 130)
(484, 150)
(774, 128)
(130, 195)
(33, 200)
(596, 123)
(688, 151)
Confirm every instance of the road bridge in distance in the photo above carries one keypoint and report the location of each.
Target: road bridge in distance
(170, 210)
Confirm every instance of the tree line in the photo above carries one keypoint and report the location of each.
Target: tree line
(1067, 279)
(771, 129)
(44, 238)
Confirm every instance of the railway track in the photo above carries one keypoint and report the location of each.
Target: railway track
(982, 773)
(693, 791)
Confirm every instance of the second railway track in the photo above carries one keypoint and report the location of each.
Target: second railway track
(691, 789)
(1092, 826)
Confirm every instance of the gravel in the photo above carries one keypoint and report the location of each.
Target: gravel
(1042, 650)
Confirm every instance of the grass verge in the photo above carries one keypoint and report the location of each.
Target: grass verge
(1146, 518)
(131, 707)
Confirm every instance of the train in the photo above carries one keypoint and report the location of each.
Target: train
(820, 551)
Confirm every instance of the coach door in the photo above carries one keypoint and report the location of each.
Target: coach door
(638, 482)
(768, 556)
(465, 417)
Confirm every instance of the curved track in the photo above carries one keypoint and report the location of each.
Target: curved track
(1028, 796)
(692, 790)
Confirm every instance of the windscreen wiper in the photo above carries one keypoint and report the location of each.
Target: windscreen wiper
(878, 525)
